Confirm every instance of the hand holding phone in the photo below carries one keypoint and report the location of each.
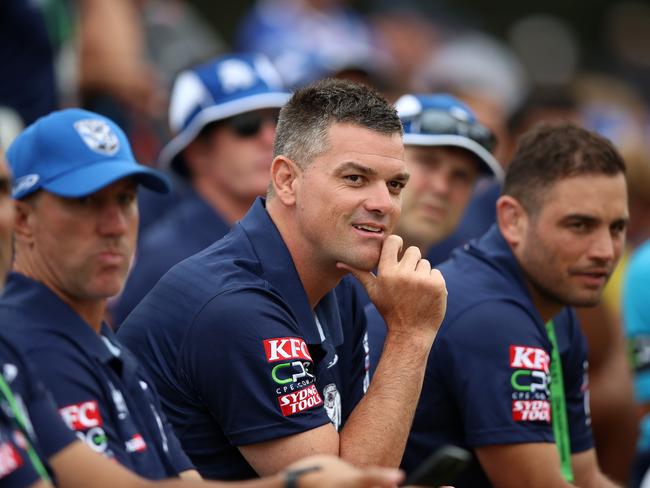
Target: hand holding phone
(441, 468)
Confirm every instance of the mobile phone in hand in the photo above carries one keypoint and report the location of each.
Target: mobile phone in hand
(440, 468)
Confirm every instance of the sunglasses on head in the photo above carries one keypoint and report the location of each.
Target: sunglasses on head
(443, 122)
(250, 124)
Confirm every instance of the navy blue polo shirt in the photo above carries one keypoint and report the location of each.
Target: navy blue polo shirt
(237, 353)
(100, 389)
(187, 229)
(487, 376)
(29, 416)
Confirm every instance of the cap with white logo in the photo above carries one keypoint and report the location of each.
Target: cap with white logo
(442, 120)
(221, 88)
(73, 153)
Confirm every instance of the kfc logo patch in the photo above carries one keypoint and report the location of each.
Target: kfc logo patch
(286, 348)
(10, 459)
(82, 416)
(300, 400)
(524, 357)
(531, 411)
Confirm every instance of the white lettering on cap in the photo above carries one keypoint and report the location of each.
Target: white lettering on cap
(24, 183)
(98, 136)
(236, 75)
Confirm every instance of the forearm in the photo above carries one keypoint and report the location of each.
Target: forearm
(377, 430)
(599, 480)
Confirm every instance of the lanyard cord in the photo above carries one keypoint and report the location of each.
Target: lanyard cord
(558, 403)
(22, 424)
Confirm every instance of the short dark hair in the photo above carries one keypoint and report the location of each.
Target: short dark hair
(301, 134)
(553, 151)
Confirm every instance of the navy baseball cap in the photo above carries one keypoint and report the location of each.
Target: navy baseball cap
(443, 120)
(73, 153)
(221, 88)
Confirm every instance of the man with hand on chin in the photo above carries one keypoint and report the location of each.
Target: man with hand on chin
(259, 356)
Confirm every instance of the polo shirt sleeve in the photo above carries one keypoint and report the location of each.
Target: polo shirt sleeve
(80, 401)
(576, 381)
(51, 433)
(244, 357)
(494, 359)
(15, 466)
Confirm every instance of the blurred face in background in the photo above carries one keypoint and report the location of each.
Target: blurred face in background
(440, 187)
(6, 219)
(234, 156)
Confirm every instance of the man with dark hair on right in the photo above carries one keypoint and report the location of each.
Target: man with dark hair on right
(506, 376)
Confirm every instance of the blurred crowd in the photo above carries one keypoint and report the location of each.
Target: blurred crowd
(121, 58)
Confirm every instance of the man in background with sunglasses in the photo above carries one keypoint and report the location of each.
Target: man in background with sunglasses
(223, 114)
(446, 150)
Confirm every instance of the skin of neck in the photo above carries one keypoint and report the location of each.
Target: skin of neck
(92, 311)
(546, 307)
(318, 278)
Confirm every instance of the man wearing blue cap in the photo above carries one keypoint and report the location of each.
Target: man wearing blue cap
(446, 150)
(36, 446)
(76, 227)
(223, 115)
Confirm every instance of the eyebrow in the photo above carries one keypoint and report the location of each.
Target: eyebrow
(593, 220)
(367, 171)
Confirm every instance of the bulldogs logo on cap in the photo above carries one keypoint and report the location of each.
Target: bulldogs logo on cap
(98, 136)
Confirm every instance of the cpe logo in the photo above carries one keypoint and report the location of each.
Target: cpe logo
(525, 357)
(82, 416)
(286, 348)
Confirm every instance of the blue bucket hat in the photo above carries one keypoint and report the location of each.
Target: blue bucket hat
(73, 153)
(443, 120)
(221, 88)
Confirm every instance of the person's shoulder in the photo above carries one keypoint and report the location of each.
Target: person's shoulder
(491, 321)
(639, 264)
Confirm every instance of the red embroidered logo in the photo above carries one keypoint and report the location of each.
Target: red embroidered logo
(529, 358)
(10, 459)
(82, 416)
(286, 348)
(531, 410)
(136, 444)
(299, 400)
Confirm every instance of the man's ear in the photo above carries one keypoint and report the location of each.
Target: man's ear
(284, 176)
(512, 219)
(24, 221)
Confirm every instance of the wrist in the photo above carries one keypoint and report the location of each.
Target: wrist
(292, 477)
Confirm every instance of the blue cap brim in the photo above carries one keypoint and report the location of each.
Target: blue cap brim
(488, 163)
(92, 178)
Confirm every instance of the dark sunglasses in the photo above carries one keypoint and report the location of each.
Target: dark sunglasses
(250, 124)
(442, 122)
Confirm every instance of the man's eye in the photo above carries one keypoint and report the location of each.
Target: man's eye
(396, 185)
(578, 226)
(127, 198)
(353, 178)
